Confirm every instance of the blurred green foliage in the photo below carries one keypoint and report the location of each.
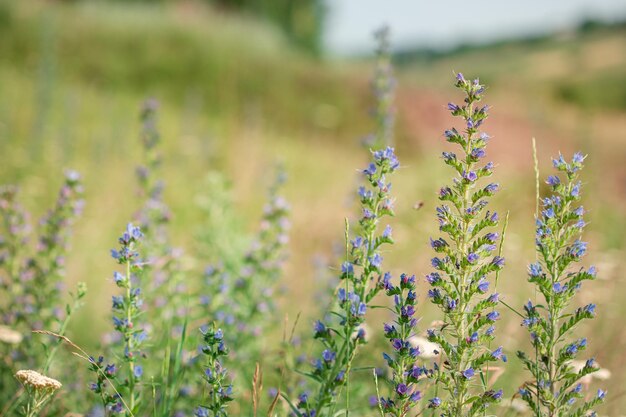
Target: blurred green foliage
(301, 20)
(604, 91)
(176, 52)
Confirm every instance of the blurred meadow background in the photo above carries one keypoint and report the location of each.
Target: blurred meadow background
(245, 85)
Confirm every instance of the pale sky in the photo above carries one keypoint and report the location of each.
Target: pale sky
(445, 23)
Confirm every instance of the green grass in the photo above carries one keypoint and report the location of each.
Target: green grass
(175, 53)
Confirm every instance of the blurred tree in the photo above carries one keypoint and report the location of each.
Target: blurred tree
(301, 20)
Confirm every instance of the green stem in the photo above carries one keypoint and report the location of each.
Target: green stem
(61, 332)
(29, 409)
(554, 314)
(537, 199)
(348, 335)
(361, 291)
(128, 336)
(380, 406)
(462, 317)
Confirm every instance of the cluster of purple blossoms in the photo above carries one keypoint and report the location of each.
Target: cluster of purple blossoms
(105, 375)
(555, 388)
(127, 253)
(463, 263)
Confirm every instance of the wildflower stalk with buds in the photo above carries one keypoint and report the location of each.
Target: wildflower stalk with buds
(126, 309)
(166, 291)
(48, 263)
(34, 277)
(241, 291)
(463, 264)
(154, 215)
(31, 277)
(253, 292)
(556, 390)
(364, 266)
(220, 390)
(104, 385)
(405, 371)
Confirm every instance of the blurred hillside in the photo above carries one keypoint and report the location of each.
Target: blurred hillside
(568, 90)
(236, 96)
(585, 67)
(174, 51)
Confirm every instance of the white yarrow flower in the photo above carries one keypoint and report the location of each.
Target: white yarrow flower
(33, 379)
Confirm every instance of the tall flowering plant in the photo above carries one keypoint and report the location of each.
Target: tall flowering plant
(463, 263)
(35, 276)
(127, 309)
(382, 86)
(361, 279)
(166, 293)
(126, 312)
(403, 361)
(238, 290)
(14, 283)
(383, 89)
(154, 215)
(556, 390)
(240, 295)
(48, 263)
(220, 391)
(263, 263)
(163, 294)
(220, 218)
(31, 287)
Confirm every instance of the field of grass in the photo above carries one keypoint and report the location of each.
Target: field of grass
(236, 99)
